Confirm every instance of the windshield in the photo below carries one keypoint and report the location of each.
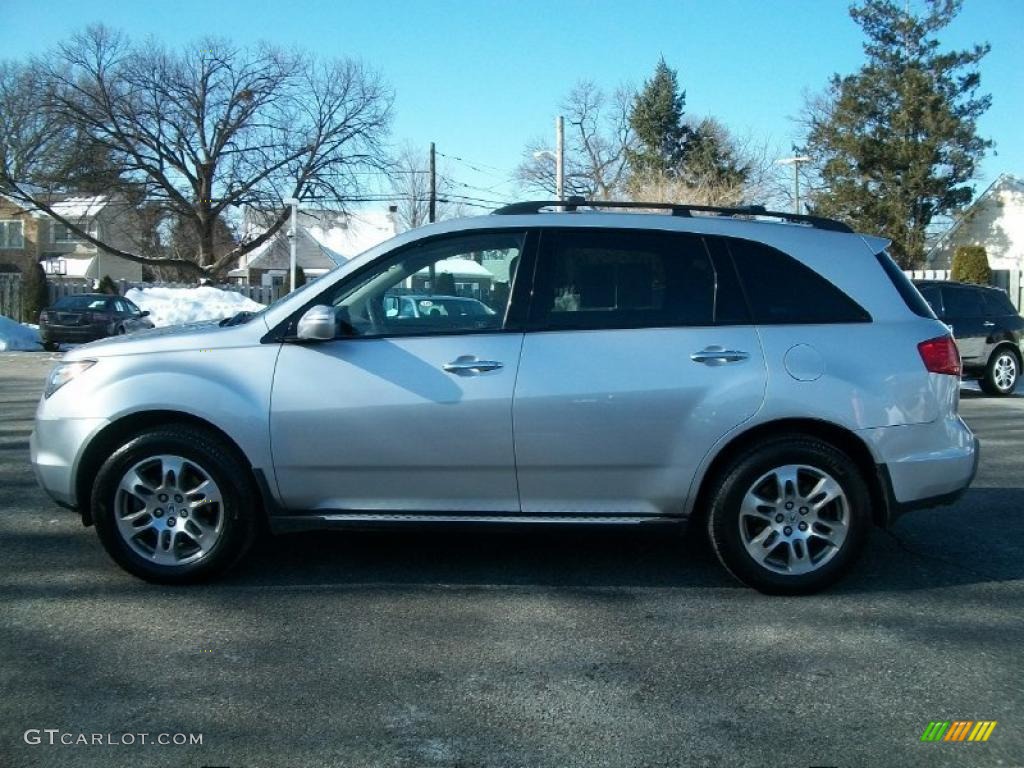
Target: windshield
(81, 302)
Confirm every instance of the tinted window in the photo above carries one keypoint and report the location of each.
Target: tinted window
(932, 295)
(600, 279)
(908, 291)
(998, 304)
(781, 290)
(962, 302)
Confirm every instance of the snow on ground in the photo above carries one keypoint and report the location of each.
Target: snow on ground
(174, 306)
(15, 337)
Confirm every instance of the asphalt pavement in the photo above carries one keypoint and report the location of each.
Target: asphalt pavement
(538, 649)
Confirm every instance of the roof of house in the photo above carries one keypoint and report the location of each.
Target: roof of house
(326, 239)
(80, 207)
(1003, 181)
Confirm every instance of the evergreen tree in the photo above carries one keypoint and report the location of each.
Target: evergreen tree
(108, 286)
(35, 296)
(896, 143)
(657, 122)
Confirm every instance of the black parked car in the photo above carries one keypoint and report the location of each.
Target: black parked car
(87, 317)
(987, 330)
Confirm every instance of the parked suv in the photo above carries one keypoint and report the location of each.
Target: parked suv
(987, 329)
(774, 379)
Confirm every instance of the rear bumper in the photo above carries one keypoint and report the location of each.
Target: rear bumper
(924, 465)
(73, 334)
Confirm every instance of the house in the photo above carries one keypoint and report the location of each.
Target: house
(324, 240)
(28, 235)
(19, 235)
(995, 220)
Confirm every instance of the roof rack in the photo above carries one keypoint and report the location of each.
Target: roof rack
(572, 203)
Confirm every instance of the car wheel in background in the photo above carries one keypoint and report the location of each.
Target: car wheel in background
(51, 346)
(1002, 372)
(790, 516)
(173, 505)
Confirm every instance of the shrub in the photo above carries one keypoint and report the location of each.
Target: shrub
(35, 293)
(970, 265)
(108, 286)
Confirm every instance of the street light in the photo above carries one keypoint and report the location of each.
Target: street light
(795, 162)
(558, 156)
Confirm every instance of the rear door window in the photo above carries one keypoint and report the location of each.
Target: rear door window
(933, 296)
(591, 279)
(783, 291)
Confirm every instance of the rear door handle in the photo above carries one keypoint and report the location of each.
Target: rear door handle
(988, 323)
(716, 355)
(467, 365)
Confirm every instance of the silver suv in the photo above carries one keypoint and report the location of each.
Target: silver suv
(772, 378)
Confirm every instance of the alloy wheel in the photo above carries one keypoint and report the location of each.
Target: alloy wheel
(169, 510)
(794, 519)
(1004, 372)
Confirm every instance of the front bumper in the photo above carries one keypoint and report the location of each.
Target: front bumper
(56, 447)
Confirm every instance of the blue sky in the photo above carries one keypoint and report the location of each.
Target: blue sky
(481, 78)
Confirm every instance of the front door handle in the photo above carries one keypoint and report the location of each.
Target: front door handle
(988, 323)
(716, 355)
(467, 365)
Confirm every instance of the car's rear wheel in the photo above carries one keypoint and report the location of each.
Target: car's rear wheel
(790, 516)
(1002, 373)
(173, 506)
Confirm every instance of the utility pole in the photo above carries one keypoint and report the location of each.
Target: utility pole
(293, 228)
(560, 156)
(432, 210)
(795, 162)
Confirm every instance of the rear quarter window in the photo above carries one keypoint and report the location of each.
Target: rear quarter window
(782, 291)
(908, 291)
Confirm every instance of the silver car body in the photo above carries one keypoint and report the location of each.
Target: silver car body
(607, 425)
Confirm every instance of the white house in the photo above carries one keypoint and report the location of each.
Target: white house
(995, 220)
(325, 240)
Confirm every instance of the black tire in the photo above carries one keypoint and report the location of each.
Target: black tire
(51, 346)
(741, 475)
(1001, 357)
(239, 506)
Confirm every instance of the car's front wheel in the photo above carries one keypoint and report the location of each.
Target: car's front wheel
(173, 506)
(1002, 373)
(790, 516)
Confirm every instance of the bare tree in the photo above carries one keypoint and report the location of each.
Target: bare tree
(197, 132)
(410, 184)
(597, 137)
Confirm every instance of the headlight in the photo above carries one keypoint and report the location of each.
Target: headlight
(62, 373)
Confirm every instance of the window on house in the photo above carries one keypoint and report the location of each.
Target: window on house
(62, 234)
(12, 234)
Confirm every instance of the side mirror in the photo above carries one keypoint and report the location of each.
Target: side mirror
(317, 324)
(144, 313)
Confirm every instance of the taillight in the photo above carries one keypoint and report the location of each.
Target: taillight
(940, 355)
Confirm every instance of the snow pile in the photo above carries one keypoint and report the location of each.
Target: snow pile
(15, 337)
(174, 306)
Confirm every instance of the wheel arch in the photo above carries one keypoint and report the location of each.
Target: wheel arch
(840, 437)
(115, 434)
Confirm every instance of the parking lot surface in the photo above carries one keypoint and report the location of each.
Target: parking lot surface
(536, 648)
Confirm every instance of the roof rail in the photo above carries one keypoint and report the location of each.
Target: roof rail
(676, 209)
